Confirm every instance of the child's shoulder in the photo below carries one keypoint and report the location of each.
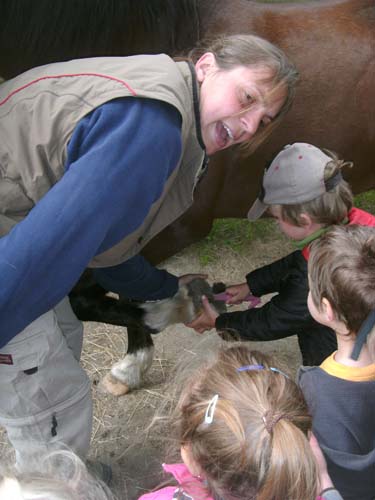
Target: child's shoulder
(335, 375)
(306, 372)
(360, 217)
(183, 477)
(162, 494)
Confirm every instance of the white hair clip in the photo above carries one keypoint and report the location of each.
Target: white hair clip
(209, 415)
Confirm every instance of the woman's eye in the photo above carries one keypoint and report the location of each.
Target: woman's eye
(265, 122)
(247, 98)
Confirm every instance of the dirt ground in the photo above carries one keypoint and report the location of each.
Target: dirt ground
(121, 436)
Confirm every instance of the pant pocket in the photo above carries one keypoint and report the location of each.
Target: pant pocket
(43, 373)
(66, 427)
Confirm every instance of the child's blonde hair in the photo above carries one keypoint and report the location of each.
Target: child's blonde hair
(256, 446)
(60, 475)
(342, 269)
(332, 207)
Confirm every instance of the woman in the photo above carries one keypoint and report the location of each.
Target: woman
(97, 156)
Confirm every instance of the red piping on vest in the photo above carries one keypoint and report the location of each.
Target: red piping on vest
(122, 82)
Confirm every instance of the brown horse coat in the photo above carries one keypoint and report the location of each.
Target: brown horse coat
(332, 43)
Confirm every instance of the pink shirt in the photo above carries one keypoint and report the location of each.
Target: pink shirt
(189, 485)
(193, 485)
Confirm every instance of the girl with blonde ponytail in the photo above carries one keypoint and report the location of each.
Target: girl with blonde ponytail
(243, 426)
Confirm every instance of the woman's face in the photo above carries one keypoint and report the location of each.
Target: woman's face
(234, 103)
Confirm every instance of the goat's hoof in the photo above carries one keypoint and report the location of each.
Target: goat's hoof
(114, 386)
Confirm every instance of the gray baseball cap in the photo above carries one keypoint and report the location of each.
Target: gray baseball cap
(296, 175)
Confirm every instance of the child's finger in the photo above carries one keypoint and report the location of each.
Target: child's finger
(234, 299)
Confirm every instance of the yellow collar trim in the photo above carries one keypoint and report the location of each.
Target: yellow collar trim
(351, 373)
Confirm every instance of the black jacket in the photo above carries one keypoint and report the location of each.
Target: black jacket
(286, 314)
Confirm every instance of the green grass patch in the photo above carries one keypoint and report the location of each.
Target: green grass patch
(366, 201)
(238, 234)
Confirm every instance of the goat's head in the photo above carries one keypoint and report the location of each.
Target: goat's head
(184, 306)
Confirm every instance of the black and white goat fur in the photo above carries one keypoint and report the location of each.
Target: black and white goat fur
(142, 319)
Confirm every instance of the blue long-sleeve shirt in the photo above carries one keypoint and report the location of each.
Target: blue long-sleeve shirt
(118, 160)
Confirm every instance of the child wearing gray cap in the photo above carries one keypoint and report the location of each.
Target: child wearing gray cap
(304, 191)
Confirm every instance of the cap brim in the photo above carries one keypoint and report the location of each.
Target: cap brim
(257, 210)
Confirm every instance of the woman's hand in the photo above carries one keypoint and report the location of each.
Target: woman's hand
(206, 320)
(237, 292)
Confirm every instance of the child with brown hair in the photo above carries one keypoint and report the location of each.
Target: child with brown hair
(242, 425)
(304, 191)
(341, 392)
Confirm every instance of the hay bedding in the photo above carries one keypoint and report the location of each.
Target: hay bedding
(121, 434)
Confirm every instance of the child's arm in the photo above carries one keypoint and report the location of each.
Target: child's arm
(286, 314)
(269, 278)
(266, 279)
(326, 488)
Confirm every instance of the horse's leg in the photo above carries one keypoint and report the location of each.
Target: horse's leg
(90, 303)
(127, 374)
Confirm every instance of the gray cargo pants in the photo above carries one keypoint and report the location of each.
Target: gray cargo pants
(45, 395)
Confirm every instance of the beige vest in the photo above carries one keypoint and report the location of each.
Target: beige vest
(40, 109)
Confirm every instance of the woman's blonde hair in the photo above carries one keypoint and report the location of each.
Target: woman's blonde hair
(256, 446)
(332, 207)
(60, 475)
(252, 51)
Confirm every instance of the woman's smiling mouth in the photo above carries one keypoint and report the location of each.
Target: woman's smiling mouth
(224, 135)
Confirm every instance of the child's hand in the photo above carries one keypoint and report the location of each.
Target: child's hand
(206, 320)
(238, 293)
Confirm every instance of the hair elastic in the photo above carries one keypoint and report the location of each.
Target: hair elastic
(247, 368)
(333, 181)
(270, 420)
(209, 415)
